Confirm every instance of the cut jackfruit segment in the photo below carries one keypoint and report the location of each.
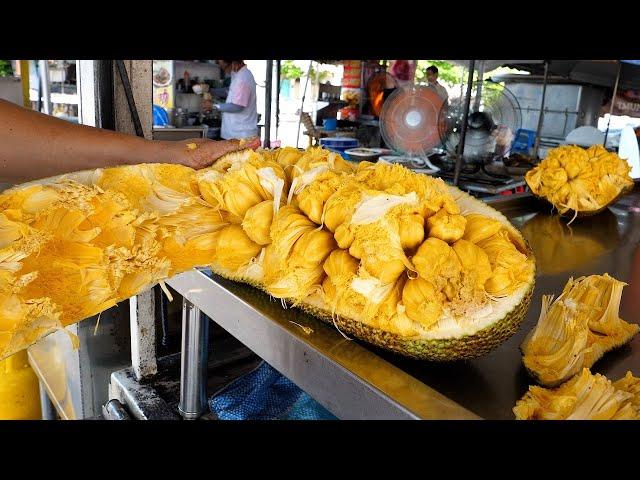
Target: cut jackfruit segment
(586, 396)
(576, 330)
(480, 227)
(580, 181)
(233, 248)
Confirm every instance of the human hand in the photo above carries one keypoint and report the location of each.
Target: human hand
(201, 152)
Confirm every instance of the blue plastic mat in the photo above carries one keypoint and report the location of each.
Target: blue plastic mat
(265, 394)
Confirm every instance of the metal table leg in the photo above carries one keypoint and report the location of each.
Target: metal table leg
(193, 376)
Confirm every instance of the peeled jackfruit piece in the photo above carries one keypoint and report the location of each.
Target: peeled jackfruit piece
(480, 227)
(340, 263)
(580, 181)
(422, 302)
(510, 268)
(586, 396)
(576, 330)
(257, 222)
(411, 231)
(474, 261)
(436, 262)
(446, 227)
(234, 248)
(311, 198)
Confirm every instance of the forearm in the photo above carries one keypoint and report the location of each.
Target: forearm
(33, 145)
(229, 107)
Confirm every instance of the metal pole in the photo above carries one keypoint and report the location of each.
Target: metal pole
(465, 120)
(278, 74)
(193, 374)
(613, 101)
(267, 104)
(536, 144)
(478, 99)
(43, 67)
(304, 94)
(24, 78)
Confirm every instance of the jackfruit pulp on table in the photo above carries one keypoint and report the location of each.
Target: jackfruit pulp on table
(390, 256)
(579, 181)
(576, 329)
(586, 396)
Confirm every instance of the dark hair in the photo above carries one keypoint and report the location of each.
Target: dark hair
(433, 69)
(231, 61)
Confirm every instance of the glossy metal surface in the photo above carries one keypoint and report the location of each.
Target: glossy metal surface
(344, 376)
(354, 380)
(193, 374)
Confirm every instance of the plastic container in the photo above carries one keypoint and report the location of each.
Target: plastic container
(330, 124)
(339, 144)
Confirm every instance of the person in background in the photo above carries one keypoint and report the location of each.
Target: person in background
(239, 111)
(34, 145)
(432, 78)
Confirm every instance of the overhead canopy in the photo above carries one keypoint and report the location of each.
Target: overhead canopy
(593, 72)
(493, 64)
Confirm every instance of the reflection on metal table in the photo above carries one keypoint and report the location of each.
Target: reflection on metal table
(357, 381)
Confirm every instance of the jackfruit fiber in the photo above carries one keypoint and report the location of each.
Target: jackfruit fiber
(576, 329)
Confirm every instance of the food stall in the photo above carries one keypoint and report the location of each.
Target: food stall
(228, 326)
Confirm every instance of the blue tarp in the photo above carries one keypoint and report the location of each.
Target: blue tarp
(265, 394)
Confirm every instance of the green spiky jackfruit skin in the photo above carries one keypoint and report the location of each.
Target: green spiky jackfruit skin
(584, 213)
(438, 350)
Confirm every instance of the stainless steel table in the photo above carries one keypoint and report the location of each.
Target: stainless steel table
(357, 381)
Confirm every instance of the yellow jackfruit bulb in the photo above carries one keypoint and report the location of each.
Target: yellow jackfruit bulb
(257, 222)
(312, 248)
(501, 251)
(336, 212)
(312, 198)
(446, 227)
(386, 272)
(344, 238)
(340, 263)
(436, 261)
(240, 198)
(411, 231)
(474, 261)
(480, 227)
(423, 304)
(234, 248)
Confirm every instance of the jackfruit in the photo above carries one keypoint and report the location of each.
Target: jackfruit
(586, 396)
(576, 330)
(257, 222)
(234, 248)
(446, 227)
(578, 181)
(303, 226)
